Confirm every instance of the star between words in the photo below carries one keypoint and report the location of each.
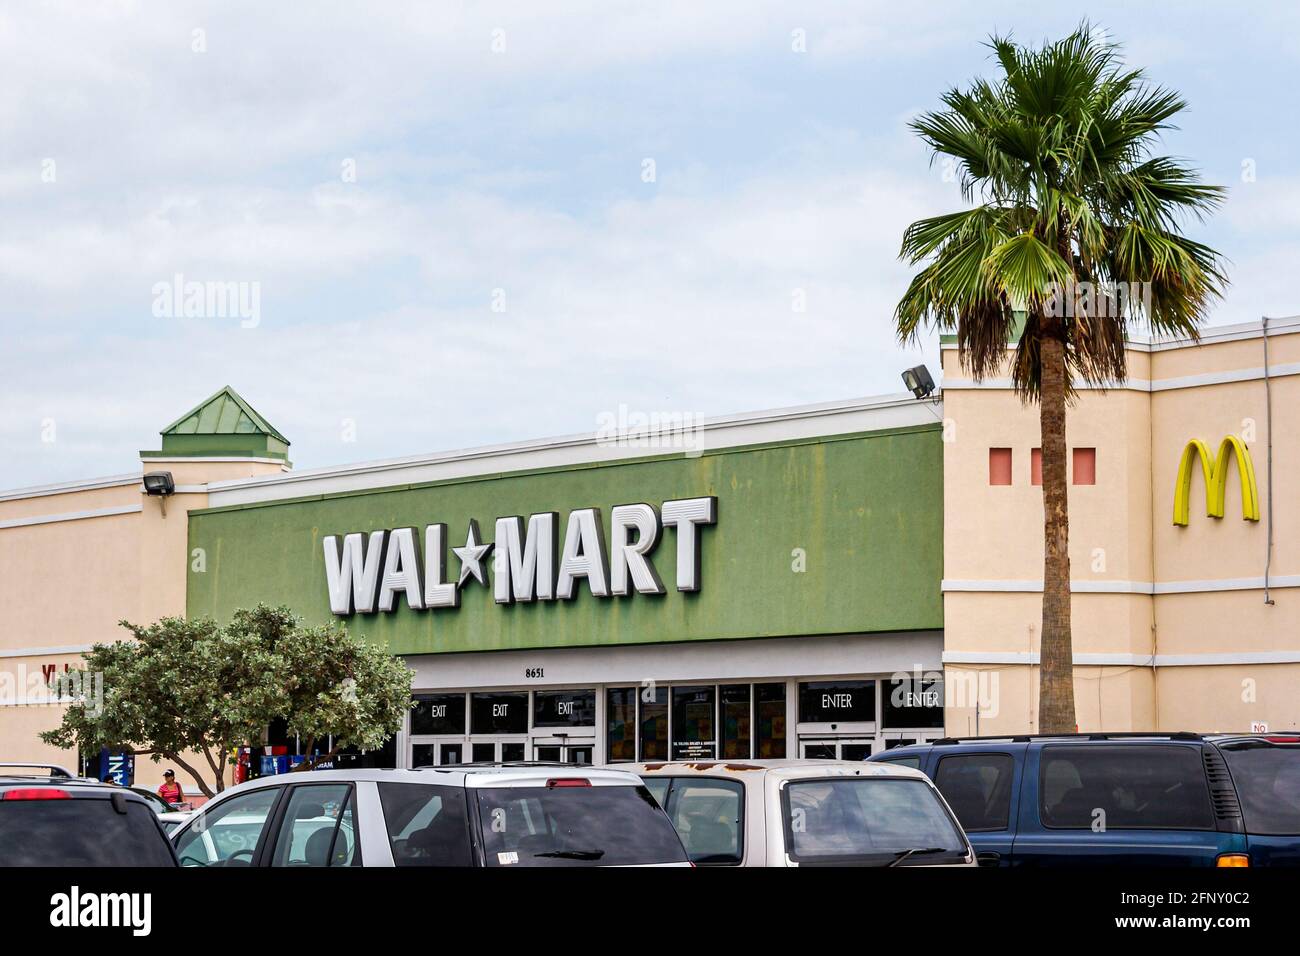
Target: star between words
(366, 572)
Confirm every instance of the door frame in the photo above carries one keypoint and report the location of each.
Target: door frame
(564, 742)
(836, 741)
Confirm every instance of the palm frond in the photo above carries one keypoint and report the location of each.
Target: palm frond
(1056, 156)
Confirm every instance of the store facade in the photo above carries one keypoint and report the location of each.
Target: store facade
(820, 581)
(770, 591)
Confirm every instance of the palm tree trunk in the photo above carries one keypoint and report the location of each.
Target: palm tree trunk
(1056, 654)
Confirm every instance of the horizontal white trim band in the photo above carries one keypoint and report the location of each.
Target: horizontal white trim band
(954, 585)
(1030, 658)
(187, 460)
(1211, 335)
(44, 651)
(1145, 385)
(71, 516)
(69, 487)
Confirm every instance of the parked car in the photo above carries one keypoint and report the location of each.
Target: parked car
(170, 815)
(1177, 799)
(508, 815)
(51, 818)
(806, 813)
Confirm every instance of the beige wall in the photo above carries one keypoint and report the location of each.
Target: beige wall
(1215, 644)
(66, 583)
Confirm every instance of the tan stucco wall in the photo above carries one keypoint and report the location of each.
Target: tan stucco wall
(1122, 536)
(67, 583)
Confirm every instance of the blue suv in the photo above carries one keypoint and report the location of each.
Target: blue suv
(1177, 799)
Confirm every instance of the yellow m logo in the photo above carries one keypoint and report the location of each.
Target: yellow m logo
(1215, 471)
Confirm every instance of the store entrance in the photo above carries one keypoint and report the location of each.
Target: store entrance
(441, 753)
(574, 750)
(497, 750)
(836, 748)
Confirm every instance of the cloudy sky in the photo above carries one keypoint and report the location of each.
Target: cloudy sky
(476, 222)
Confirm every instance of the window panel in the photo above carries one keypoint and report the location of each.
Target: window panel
(978, 788)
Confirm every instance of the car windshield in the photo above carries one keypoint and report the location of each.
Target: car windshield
(575, 826)
(80, 832)
(865, 820)
(1268, 784)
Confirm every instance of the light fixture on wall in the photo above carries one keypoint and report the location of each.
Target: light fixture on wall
(160, 485)
(919, 381)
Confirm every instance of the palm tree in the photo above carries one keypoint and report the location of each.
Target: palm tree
(1074, 234)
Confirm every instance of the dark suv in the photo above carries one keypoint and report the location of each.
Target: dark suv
(51, 818)
(1178, 799)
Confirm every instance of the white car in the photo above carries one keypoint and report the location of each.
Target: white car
(167, 814)
(806, 813)
(506, 815)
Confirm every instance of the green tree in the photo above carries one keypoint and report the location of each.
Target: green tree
(191, 692)
(1073, 235)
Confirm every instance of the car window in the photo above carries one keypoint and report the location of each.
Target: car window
(913, 762)
(575, 826)
(80, 831)
(1268, 785)
(317, 828)
(227, 835)
(658, 787)
(869, 820)
(1124, 787)
(426, 824)
(156, 803)
(978, 788)
(707, 814)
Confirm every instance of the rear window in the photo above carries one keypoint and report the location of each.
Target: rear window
(575, 826)
(1268, 785)
(426, 824)
(1124, 788)
(978, 788)
(708, 814)
(863, 820)
(80, 832)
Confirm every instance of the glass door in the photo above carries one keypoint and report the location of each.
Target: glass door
(432, 752)
(836, 748)
(570, 750)
(497, 750)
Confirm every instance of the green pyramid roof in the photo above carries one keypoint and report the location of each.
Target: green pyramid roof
(222, 425)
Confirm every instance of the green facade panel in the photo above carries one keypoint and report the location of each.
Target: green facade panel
(862, 515)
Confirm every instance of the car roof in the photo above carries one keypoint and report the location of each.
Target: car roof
(784, 769)
(85, 787)
(468, 775)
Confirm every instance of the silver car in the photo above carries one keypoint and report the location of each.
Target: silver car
(503, 815)
(806, 813)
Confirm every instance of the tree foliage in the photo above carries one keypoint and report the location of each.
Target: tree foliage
(191, 692)
(1056, 154)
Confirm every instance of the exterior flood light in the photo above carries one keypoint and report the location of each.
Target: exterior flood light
(159, 483)
(918, 381)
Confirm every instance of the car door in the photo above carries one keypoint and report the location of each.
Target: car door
(315, 826)
(983, 789)
(1138, 803)
(229, 833)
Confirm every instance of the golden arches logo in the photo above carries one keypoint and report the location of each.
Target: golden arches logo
(1215, 471)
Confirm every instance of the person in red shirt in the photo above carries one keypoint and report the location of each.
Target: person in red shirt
(170, 789)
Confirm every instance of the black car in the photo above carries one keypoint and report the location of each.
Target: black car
(50, 818)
